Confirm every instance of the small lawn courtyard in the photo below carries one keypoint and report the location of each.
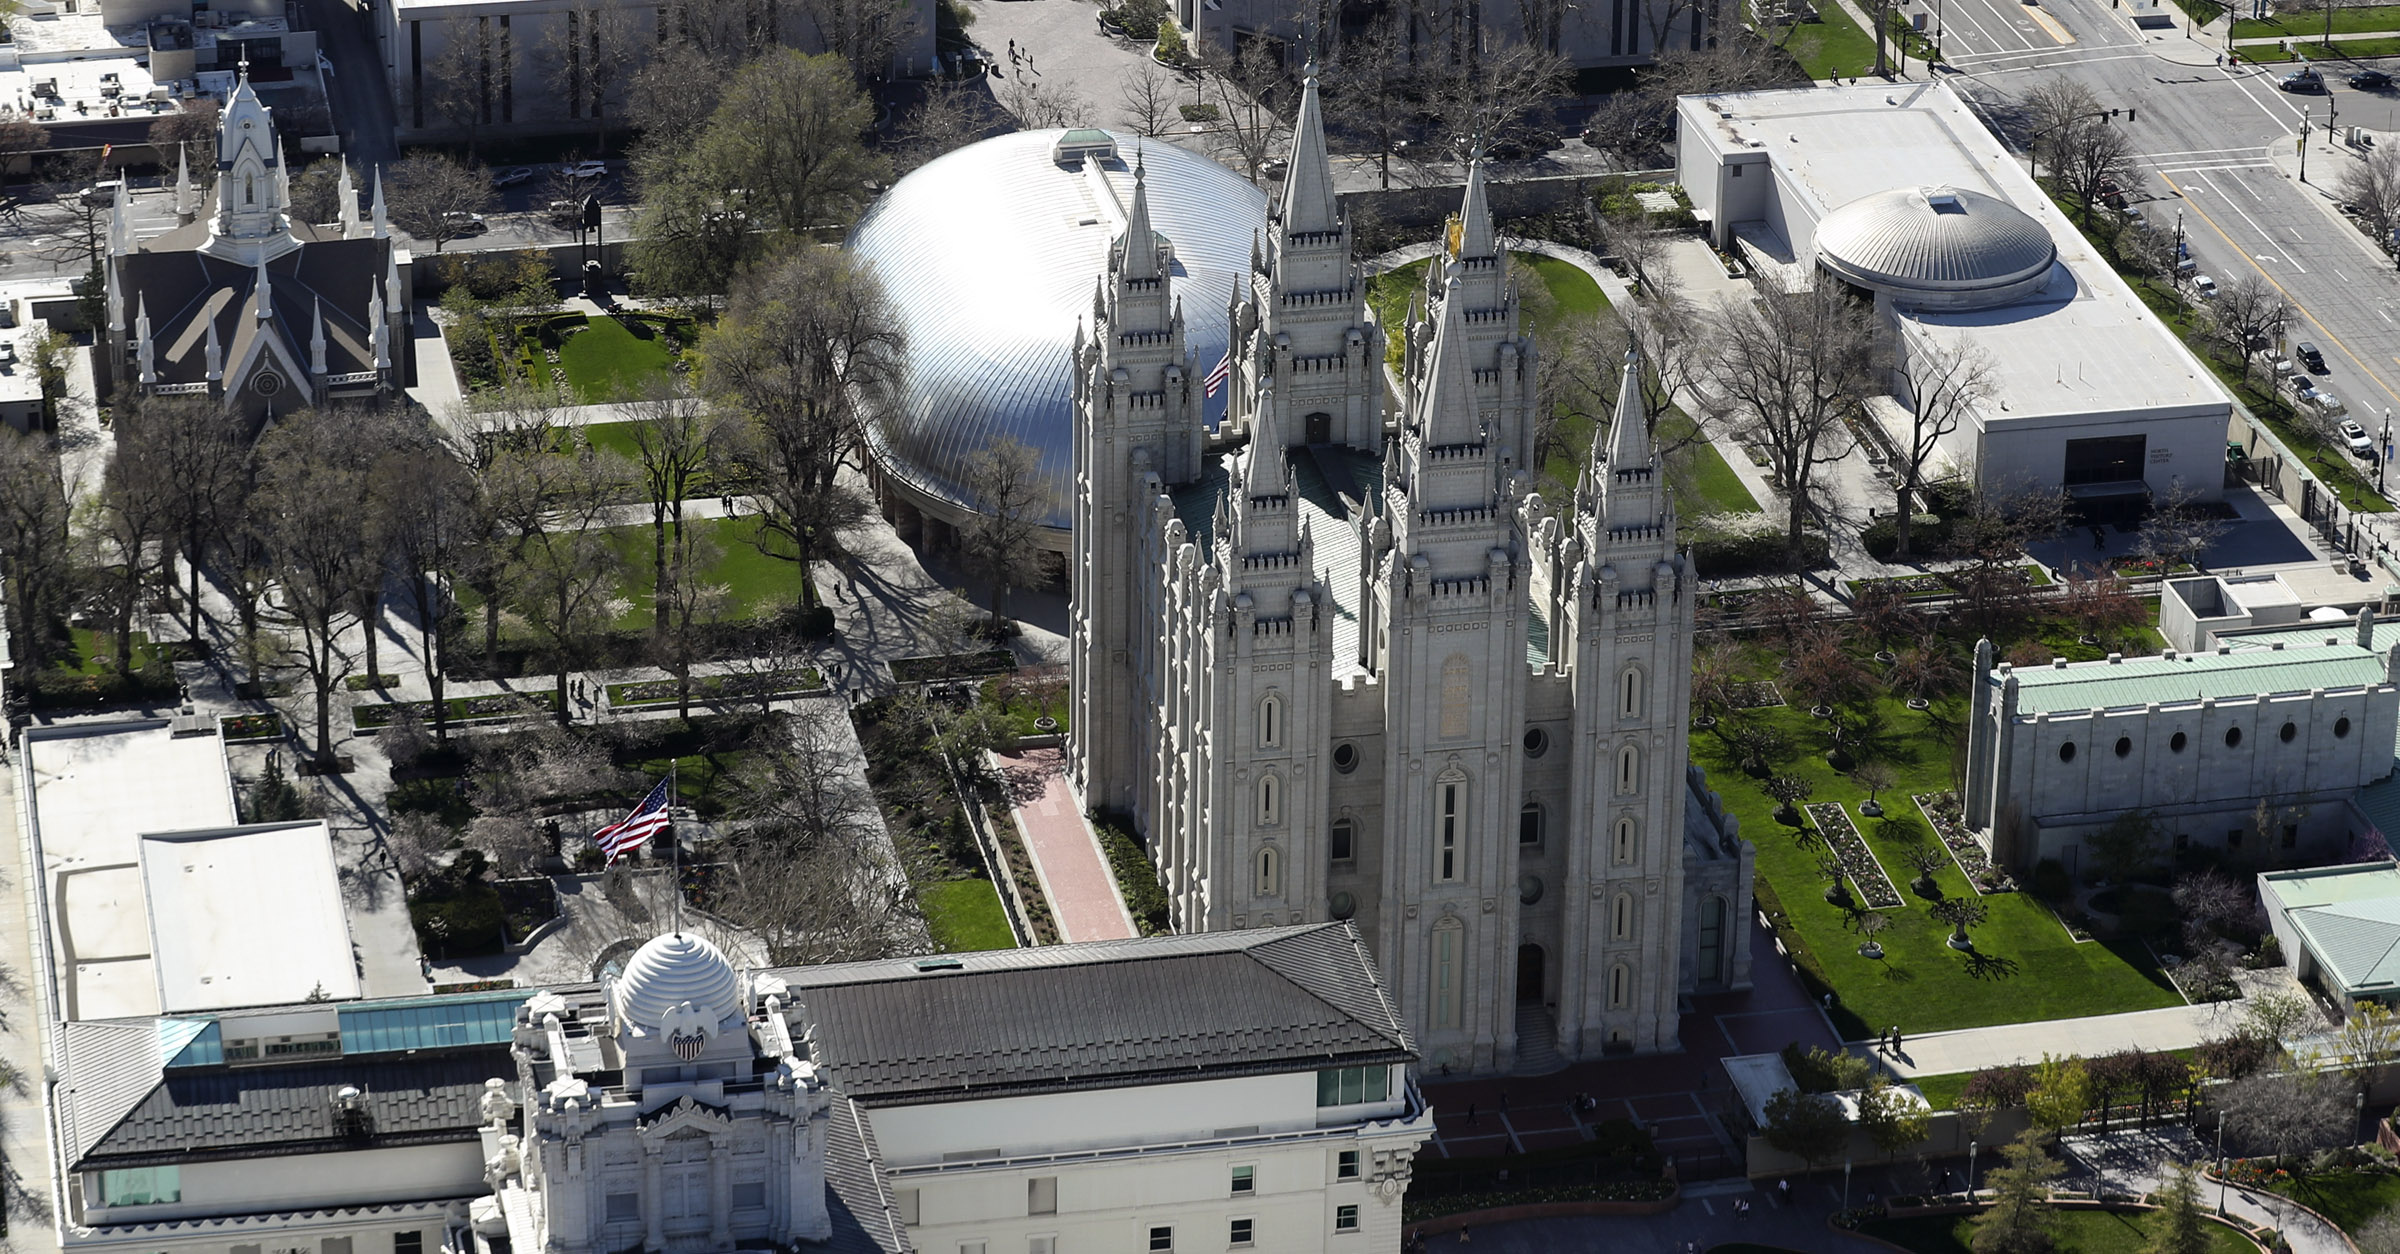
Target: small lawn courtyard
(964, 915)
(2024, 965)
(613, 358)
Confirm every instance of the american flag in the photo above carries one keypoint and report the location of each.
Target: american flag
(1217, 375)
(647, 820)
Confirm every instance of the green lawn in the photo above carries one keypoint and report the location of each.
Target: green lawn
(2346, 21)
(1565, 296)
(96, 652)
(2024, 967)
(755, 581)
(1942, 1091)
(2077, 1231)
(2347, 1198)
(1837, 46)
(613, 437)
(1703, 469)
(606, 360)
(965, 915)
(703, 781)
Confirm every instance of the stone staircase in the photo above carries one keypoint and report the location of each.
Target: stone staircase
(1537, 1041)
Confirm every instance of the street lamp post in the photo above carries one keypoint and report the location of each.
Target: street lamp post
(2220, 1162)
(1845, 1184)
(1971, 1147)
(2303, 147)
(2384, 454)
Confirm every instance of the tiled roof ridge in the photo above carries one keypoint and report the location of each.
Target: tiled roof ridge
(1390, 1028)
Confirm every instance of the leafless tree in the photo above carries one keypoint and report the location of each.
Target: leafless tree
(456, 87)
(2051, 109)
(1148, 96)
(1943, 383)
(132, 513)
(2095, 157)
(806, 350)
(35, 554)
(863, 33)
(2246, 317)
(20, 138)
(2181, 529)
(949, 115)
(813, 875)
(2148, 248)
(200, 458)
(563, 574)
(1012, 500)
(436, 196)
(417, 841)
(317, 192)
(590, 51)
(687, 606)
(1370, 88)
(195, 124)
(1991, 538)
(1501, 95)
(2371, 188)
(1634, 127)
(427, 504)
(1247, 87)
(2290, 1113)
(678, 442)
(315, 537)
(671, 96)
(1044, 106)
(1637, 244)
(1791, 365)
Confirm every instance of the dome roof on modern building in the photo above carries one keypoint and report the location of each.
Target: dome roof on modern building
(1938, 247)
(672, 970)
(989, 256)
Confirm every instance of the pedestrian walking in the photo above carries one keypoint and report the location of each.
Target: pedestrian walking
(1896, 1043)
(1783, 1190)
(1470, 1114)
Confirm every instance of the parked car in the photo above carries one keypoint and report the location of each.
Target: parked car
(512, 176)
(2204, 286)
(2309, 356)
(464, 223)
(586, 170)
(2328, 404)
(8, 353)
(2282, 366)
(2355, 436)
(2306, 82)
(2371, 80)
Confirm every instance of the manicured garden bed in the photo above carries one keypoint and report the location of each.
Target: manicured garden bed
(1941, 813)
(915, 670)
(1874, 887)
(710, 688)
(490, 708)
(247, 728)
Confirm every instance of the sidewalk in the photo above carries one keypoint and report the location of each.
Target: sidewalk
(1973, 1049)
(1075, 878)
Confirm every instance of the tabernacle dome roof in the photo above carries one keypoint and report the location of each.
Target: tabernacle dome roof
(989, 256)
(1938, 247)
(671, 970)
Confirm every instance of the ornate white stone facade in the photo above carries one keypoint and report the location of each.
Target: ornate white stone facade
(1353, 666)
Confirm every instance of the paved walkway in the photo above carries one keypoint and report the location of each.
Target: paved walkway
(1074, 876)
(1973, 1049)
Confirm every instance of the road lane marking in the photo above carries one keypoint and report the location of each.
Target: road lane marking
(2289, 299)
(2205, 152)
(2050, 24)
(2273, 115)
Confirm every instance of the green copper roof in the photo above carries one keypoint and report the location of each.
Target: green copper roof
(2350, 917)
(2191, 677)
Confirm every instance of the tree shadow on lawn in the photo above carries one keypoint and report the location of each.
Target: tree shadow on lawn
(1983, 966)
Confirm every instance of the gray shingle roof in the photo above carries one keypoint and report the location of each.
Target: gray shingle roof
(865, 1219)
(1108, 1013)
(182, 286)
(235, 1112)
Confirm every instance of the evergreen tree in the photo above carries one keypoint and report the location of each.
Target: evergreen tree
(2018, 1221)
(272, 798)
(2178, 1227)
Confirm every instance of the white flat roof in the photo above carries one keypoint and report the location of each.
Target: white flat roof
(2086, 346)
(96, 788)
(215, 948)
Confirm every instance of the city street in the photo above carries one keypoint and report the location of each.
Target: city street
(2220, 147)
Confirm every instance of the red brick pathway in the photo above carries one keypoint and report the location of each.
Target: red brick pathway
(1066, 856)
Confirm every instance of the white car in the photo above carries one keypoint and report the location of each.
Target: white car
(2355, 436)
(2328, 404)
(2204, 285)
(586, 170)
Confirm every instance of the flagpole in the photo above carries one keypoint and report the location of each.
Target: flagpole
(675, 839)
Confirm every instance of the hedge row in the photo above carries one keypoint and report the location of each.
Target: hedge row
(1145, 899)
(1738, 555)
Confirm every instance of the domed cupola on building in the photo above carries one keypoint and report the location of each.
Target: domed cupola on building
(1938, 248)
(678, 992)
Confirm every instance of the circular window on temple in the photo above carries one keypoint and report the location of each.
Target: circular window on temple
(2289, 730)
(2066, 752)
(2124, 745)
(2341, 728)
(1345, 757)
(2179, 742)
(1537, 742)
(2233, 737)
(1529, 889)
(1342, 905)
(268, 383)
